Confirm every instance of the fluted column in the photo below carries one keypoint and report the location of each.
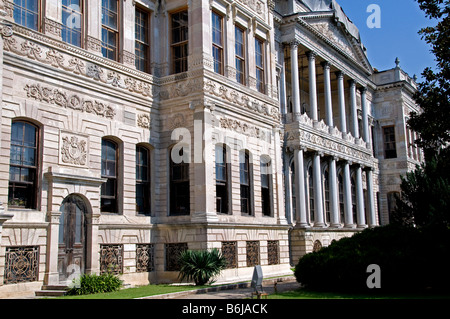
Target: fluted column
(318, 196)
(334, 193)
(360, 199)
(295, 87)
(365, 117)
(371, 199)
(327, 92)
(354, 112)
(341, 98)
(348, 197)
(312, 85)
(300, 189)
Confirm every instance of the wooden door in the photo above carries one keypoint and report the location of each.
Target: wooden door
(72, 239)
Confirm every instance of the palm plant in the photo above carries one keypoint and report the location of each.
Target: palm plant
(201, 266)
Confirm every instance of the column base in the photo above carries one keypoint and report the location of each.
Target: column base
(302, 226)
(335, 226)
(349, 226)
(362, 226)
(320, 225)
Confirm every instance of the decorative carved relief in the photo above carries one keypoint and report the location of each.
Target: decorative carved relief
(176, 121)
(143, 120)
(74, 150)
(243, 128)
(67, 100)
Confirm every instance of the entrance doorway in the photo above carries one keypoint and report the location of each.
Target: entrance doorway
(72, 239)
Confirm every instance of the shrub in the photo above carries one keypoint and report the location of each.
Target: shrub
(93, 283)
(409, 259)
(201, 266)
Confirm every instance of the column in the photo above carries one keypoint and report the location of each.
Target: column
(354, 112)
(348, 197)
(282, 93)
(318, 196)
(334, 199)
(360, 199)
(312, 85)
(365, 117)
(300, 189)
(294, 79)
(341, 96)
(371, 199)
(327, 92)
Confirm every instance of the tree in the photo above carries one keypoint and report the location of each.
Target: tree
(425, 197)
(201, 266)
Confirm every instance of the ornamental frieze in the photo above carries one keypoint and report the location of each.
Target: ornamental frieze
(243, 128)
(67, 100)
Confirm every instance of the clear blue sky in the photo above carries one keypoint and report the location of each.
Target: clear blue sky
(398, 36)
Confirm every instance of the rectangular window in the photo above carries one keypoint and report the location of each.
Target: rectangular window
(240, 54)
(259, 61)
(221, 180)
(26, 13)
(179, 41)
(245, 177)
(143, 195)
(109, 171)
(142, 41)
(266, 194)
(217, 46)
(72, 22)
(179, 187)
(110, 29)
(389, 142)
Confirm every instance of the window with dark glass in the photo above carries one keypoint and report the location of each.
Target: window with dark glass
(179, 41)
(259, 60)
(143, 195)
(26, 13)
(240, 54)
(221, 180)
(341, 198)
(179, 187)
(353, 190)
(392, 202)
(266, 187)
(217, 42)
(23, 165)
(142, 40)
(110, 172)
(245, 182)
(326, 182)
(72, 22)
(110, 29)
(389, 142)
(311, 193)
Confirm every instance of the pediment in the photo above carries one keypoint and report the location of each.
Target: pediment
(336, 36)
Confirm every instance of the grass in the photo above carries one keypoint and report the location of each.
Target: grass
(131, 293)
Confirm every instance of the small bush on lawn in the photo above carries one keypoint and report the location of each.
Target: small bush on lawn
(201, 266)
(409, 259)
(93, 283)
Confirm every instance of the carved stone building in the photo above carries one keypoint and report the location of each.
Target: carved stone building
(132, 130)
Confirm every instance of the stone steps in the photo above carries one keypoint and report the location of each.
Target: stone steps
(52, 291)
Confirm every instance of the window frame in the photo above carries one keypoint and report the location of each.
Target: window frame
(38, 15)
(240, 75)
(246, 186)
(389, 146)
(35, 184)
(179, 44)
(146, 184)
(147, 44)
(217, 47)
(260, 80)
(222, 185)
(109, 29)
(82, 24)
(176, 185)
(266, 191)
(114, 178)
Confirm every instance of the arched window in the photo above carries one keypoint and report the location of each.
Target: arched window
(311, 194)
(221, 180)
(266, 186)
(110, 172)
(143, 193)
(179, 185)
(245, 172)
(23, 165)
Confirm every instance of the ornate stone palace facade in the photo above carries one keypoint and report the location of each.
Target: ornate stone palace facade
(134, 129)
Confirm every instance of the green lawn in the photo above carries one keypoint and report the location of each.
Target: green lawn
(137, 292)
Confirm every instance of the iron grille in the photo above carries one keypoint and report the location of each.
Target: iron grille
(273, 254)
(145, 260)
(317, 246)
(252, 253)
(21, 264)
(173, 252)
(111, 259)
(229, 252)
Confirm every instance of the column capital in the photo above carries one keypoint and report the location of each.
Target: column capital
(311, 55)
(293, 44)
(352, 82)
(363, 89)
(339, 74)
(326, 65)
